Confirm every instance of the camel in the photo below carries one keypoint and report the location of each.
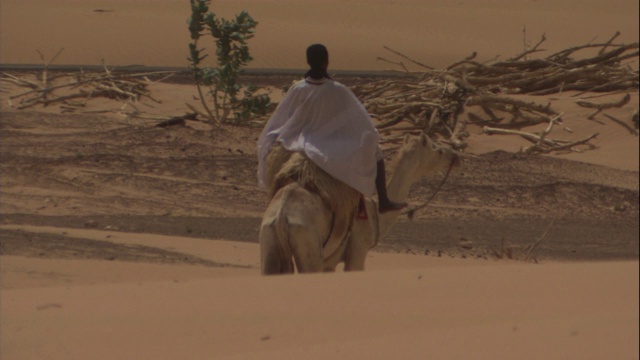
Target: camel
(298, 227)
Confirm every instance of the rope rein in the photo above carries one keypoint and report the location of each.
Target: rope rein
(411, 212)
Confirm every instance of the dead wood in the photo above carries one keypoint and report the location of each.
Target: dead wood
(466, 60)
(534, 138)
(616, 104)
(177, 120)
(599, 107)
(541, 144)
(79, 82)
(407, 58)
(570, 145)
(390, 123)
(527, 251)
(604, 48)
(433, 100)
(46, 67)
(530, 51)
(622, 123)
(128, 87)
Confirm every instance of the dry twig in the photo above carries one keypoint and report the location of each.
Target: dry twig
(434, 99)
(130, 87)
(599, 107)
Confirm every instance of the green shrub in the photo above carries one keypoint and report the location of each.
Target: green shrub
(232, 53)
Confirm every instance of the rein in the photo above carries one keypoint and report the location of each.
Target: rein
(411, 212)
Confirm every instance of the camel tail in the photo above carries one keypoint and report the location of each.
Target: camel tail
(276, 255)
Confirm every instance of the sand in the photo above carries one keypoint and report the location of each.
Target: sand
(434, 32)
(414, 307)
(66, 305)
(490, 311)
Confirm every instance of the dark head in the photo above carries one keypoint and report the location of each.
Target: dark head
(318, 60)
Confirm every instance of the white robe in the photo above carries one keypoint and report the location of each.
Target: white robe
(326, 121)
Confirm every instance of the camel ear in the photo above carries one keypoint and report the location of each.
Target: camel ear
(407, 137)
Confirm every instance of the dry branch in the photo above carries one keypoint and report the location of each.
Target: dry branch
(406, 57)
(433, 100)
(622, 123)
(534, 138)
(129, 87)
(541, 144)
(530, 51)
(570, 145)
(527, 251)
(177, 120)
(599, 107)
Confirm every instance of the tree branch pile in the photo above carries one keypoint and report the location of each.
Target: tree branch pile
(603, 72)
(75, 94)
(433, 100)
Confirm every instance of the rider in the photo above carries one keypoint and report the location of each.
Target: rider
(325, 120)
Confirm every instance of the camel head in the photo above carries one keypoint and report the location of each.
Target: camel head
(420, 156)
(417, 158)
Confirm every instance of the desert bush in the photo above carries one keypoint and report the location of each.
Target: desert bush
(232, 101)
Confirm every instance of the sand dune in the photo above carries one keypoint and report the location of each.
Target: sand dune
(574, 311)
(417, 308)
(435, 32)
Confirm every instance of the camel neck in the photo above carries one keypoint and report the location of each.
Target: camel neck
(398, 190)
(400, 181)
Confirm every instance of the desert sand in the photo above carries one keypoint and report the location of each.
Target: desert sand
(121, 240)
(435, 32)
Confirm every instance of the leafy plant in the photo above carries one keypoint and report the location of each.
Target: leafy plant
(232, 53)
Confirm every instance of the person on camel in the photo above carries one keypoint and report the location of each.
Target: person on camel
(324, 119)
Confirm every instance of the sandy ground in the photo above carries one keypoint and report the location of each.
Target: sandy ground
(119, 239)
(434, 32)
(498, 311)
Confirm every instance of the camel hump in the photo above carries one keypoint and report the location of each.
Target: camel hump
(285, 167)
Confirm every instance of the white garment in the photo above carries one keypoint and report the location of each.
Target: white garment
(326, 121)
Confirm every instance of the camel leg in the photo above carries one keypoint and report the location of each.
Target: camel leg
(294, 226)
(306, 249)
(273, 258)
(275, 252)
(361, 240)
(356, 252)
